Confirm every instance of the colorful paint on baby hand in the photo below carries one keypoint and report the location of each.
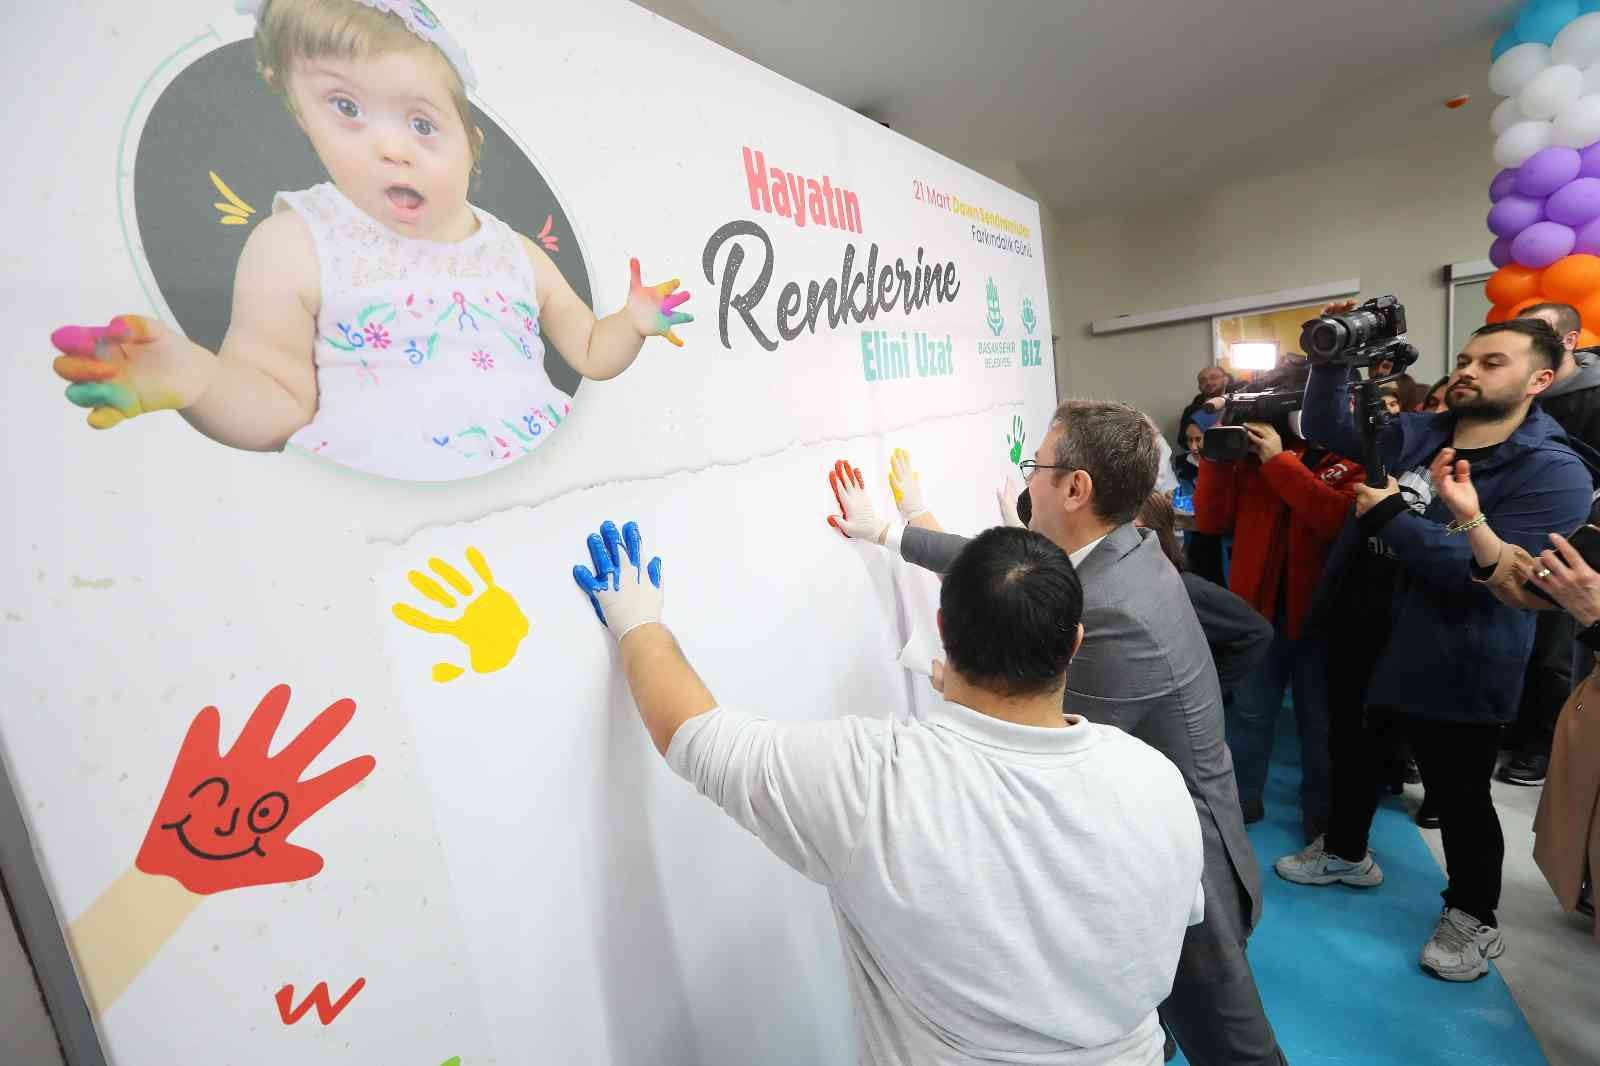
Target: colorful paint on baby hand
(131, 366)
(653, 309)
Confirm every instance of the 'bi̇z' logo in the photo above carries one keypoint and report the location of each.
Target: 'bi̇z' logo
(995, 320)
(1029, 319)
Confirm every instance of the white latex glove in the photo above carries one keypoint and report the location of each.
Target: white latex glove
(857, 518)
(906, 485)
(622, 597)
(1006, 497)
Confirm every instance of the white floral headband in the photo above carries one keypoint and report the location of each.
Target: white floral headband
(419, 19)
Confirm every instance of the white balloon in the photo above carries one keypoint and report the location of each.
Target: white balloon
(1517, 67)
(1578, 125)
(1591, 79)
(1552, 90)
(1578, 43)
(1515, 145)
(1506, 114)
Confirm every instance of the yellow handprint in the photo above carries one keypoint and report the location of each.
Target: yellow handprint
(491, 626)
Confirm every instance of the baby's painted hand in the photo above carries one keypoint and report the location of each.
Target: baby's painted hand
(129, 367)
(651, 308)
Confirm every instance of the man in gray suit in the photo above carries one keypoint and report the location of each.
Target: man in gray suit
(1144, 666)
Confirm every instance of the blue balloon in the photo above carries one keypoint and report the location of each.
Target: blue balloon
(1509, 40)
(1587, 6)
(1541, 20)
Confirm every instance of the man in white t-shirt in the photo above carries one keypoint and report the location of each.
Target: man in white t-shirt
(1012, 884)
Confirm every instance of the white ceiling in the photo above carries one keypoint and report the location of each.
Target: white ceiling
(1104, 103)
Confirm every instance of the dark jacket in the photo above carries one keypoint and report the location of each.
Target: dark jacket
(1575, 402)
(1239, 637)
(1459, 654)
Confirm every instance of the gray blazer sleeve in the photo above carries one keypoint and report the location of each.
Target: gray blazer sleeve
(930, 550)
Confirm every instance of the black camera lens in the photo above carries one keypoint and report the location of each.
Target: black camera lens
(1324, 338)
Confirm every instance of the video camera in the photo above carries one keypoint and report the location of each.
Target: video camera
(1278, 394)
(1370, 334)
(1363, 337)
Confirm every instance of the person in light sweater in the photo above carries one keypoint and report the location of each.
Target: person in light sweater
(1012, 883)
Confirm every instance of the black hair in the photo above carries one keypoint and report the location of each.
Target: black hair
(1542, 340)
(1011, 604)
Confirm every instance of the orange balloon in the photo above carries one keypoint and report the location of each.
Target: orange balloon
(1514, 283)
(1587, 339)
(1572, 279)
(1589, 312)
(1496, 314)
(1518, 308)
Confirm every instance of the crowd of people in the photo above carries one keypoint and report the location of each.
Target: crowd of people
(1053, 865)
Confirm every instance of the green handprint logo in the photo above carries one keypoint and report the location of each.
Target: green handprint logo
(1029, 320)
(996, 320)
(1015, 439)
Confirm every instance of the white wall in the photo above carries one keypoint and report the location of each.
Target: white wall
(1392, 219)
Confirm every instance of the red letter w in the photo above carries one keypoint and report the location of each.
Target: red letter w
(318, 998)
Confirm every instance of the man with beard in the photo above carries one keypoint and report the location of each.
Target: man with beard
(1213, 382)
(1453, 679)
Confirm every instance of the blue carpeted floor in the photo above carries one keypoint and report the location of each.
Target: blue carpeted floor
(1337, 966)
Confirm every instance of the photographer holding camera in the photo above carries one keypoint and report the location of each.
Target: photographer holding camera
(1453, 672)
(1284, 501)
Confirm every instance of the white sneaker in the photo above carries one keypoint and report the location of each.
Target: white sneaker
(1461, 947)
(1314, 866)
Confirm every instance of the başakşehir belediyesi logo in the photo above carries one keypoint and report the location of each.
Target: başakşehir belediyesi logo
(996, 353)
(857, 295)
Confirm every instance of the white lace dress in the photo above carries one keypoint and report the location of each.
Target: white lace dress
(429, 362)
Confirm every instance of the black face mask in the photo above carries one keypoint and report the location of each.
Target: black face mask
(1025, 506)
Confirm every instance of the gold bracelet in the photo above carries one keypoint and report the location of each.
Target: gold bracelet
(1462, 527)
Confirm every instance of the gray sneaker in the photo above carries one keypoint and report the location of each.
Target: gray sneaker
(1314, 866)
(1461, 947)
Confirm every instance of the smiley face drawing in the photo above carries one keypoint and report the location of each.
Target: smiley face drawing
(266, 814)
(224, 820)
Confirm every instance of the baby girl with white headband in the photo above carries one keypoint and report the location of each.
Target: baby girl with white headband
(379, 319)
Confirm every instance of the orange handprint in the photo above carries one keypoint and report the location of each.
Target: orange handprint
(224, 820)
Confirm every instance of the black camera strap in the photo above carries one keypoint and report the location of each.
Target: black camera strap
(1312, 456)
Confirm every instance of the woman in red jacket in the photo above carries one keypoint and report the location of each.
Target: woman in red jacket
(1284, 505)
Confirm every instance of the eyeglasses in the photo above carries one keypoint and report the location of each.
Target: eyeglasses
(1028, 466)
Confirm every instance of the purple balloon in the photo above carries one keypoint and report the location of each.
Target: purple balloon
(1500, 250)
(1542, 244)
(1503, 185)
(1590, 166)
(1513, 214)
(1548, 170)
(1588, 241)
(1575, 203)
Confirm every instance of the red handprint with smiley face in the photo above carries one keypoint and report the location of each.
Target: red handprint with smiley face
(224, 820)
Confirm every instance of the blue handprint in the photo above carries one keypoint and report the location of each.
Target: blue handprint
(607, 573)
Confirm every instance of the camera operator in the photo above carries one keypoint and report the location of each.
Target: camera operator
(1284, 502)
(1567, 827)
(1573, 400)
(1452, 676)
